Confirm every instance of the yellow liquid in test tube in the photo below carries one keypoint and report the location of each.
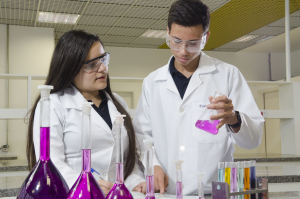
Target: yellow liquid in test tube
(227, 176)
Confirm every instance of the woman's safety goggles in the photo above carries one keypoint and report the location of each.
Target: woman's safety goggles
(191, 46)
(94, 64)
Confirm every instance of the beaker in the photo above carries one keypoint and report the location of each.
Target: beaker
(205, 123)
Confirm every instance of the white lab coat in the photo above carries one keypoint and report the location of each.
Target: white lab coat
(65, 138)
(170, 120)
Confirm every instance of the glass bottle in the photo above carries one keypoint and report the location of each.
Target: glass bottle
(119, 190)
(86, 186)
(44, 181)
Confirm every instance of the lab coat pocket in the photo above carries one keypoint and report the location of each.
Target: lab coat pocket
(203, 136)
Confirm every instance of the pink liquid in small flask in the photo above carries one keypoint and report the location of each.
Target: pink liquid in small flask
(86, 187)
(205, 123)
(44, 181)
(119, 190)
(149, 170)
(179, 194)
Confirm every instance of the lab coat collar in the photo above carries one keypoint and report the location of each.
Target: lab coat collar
(206, 65)
(74, 99)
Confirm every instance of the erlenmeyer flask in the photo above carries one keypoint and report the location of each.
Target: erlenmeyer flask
(205, 123)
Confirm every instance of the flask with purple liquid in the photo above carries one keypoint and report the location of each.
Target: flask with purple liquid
(205, 123)
(86, 186)
(149, 170)
(179, 194)
(119, 190)
(44, 181)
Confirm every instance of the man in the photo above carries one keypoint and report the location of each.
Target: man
(175, 95)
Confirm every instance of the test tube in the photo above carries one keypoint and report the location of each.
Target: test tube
(253, 177)
(233, 178)
(227, 172)
(240, 178)
(247, 178)
(221, 171)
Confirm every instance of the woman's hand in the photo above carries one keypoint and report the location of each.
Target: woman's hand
(105, 186)
(140, 187)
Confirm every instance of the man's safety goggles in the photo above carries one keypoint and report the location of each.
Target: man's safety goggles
(191, 46)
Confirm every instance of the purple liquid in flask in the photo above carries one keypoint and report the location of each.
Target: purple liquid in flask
(205, 123)
(86, 187)
(150, 187)
(179, 190)
(208, 126)
(149, 169)
(44, 181)
(119, 190)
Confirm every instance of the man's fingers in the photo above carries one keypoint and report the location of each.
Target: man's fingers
(222, 122)
(106, 184)
(144, 188)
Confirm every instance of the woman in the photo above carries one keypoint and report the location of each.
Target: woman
(78, 72)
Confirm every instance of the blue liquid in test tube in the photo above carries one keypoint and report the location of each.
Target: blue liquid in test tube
(221, 172)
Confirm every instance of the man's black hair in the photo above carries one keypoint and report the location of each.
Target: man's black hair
(189, 13)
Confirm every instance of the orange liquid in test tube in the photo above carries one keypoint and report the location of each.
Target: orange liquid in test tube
(247, 181)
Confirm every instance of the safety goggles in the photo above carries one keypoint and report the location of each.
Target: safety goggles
(94, 64)
(191, 46)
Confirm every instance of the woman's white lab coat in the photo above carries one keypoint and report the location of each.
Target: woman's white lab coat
(170, 120)
(65, 138)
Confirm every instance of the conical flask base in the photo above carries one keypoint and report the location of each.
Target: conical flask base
(119, 191)
(86, 187)
(209, 126)
(44, 181)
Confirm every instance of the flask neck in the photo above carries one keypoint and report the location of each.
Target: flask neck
(86, 160)
(44, 143)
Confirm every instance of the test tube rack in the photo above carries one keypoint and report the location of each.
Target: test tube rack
(220, 190)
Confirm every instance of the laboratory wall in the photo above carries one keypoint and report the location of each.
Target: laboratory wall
(29, 52)
(278, 64)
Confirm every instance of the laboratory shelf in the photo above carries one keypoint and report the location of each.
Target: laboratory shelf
(278, 114)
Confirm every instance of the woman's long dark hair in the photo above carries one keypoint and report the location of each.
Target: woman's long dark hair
(67, 60)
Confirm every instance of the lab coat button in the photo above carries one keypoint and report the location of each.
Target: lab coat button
(104, 174)
(111, 144)
(182, 148)
(181, 110)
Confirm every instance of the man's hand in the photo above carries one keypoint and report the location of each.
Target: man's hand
(140, 187)
(161, 180)
(225, 108)
(105, 186)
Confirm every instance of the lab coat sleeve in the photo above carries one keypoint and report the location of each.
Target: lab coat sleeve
(56, 143)
(137, 176)
(250, 133)
(142, 124)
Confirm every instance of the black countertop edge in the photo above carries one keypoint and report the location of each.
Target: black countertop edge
(14, 168)
(282, 179)
(8, 158)
(9, 192)
(290, 159)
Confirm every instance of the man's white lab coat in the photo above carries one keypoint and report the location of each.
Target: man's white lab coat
(65, 138)
(170, 120)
